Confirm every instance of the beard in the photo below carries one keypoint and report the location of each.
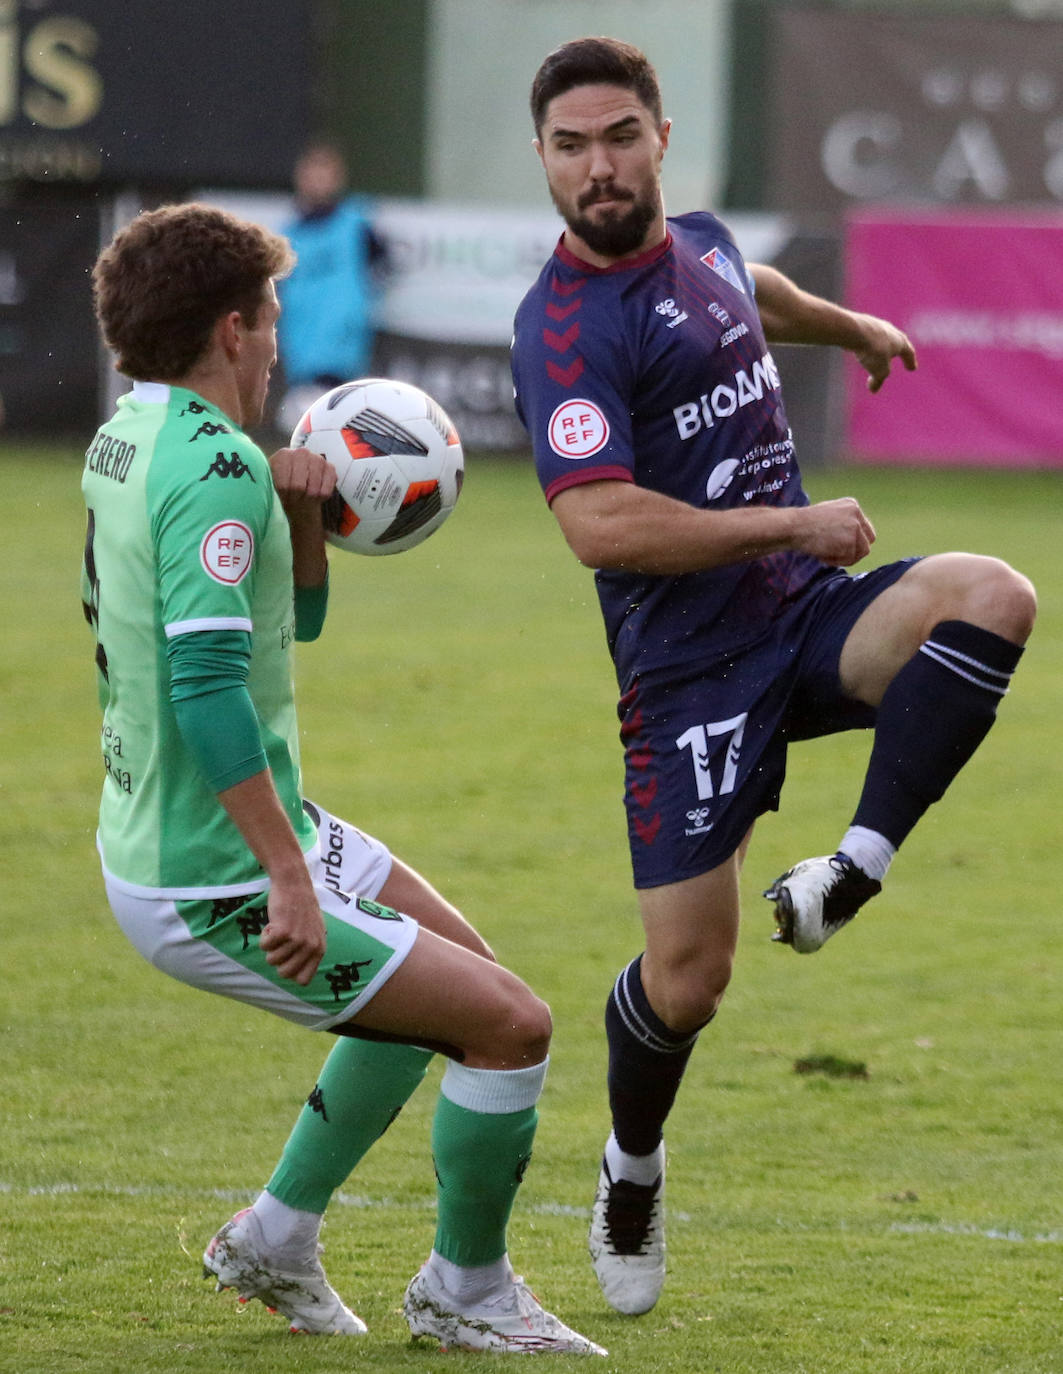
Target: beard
(618, 233)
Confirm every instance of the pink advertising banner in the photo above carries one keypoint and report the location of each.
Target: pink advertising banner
(980, 294)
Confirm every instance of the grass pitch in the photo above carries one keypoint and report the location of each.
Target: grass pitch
(865, 1157)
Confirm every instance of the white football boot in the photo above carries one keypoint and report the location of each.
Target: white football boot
(627, 1241)
(238, 1258)
(511, 1322)
(815, 898)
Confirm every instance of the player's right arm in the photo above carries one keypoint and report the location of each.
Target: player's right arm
(304, 481)
(294, 940)
(207, 611)
(617, 525)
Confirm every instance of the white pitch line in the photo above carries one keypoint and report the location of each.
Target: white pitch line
(963, 1228)
(359, 1202)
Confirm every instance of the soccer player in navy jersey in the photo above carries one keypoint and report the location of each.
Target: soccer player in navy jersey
(642, 371)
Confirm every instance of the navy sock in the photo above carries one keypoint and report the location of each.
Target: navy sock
(932, 718)
(646, 1064)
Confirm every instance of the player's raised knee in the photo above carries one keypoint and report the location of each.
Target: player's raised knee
(1006, 600)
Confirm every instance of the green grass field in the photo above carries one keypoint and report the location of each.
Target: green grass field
(895, 1208)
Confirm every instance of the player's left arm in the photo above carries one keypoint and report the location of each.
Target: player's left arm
(304, 482)
(793, 316)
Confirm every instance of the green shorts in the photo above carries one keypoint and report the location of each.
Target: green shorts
(213, 942)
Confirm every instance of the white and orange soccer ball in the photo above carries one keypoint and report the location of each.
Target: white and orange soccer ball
(398, 460)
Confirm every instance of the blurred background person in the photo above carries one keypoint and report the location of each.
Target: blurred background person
(326, 331)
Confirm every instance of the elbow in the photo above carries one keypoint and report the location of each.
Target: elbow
(595, 551)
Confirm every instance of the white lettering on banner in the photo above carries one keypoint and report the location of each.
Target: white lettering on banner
(972, 158)
(855, 153)
(693, 416)
(1053, 173)
(1031, 332)
(458, 273)
(862, 155)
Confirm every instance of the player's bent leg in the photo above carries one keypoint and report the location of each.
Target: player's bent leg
(691, 932)
(241, 1257)
(466, 1295)
(934, 653)
(980, 591)
(816, 898)
(406, 890)
(657, 1008)
(508, 1321)
(445, 995)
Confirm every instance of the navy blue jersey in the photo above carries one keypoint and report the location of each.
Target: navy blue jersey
(656, 371)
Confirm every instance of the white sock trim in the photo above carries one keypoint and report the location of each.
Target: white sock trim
(470, 1284)
(283, 1227)
(870, 851)
(641, 1169)
(494, 1092)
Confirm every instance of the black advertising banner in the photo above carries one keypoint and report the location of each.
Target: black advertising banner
(117, 93)
(873, 108)
(49, 362)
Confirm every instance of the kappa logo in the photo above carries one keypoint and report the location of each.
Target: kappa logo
(233, 466)
(253, 922)
(345, 977)
(221, 907)
(722, 265)
(208, 429)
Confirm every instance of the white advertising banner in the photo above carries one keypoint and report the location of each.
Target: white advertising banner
(457, 272)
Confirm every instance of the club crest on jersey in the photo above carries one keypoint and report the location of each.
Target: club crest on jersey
(226, 552)
(722, 265)
(577, 429)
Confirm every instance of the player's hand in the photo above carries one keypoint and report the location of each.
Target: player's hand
(836, 532)
(294, 940)
(884, 343)
(303, 479)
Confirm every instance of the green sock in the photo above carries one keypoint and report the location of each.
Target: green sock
(482, 1137)
(363, 1086)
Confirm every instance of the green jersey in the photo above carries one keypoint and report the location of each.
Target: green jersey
(185, 534)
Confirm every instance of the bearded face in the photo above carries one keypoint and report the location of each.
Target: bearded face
(601, 149)
(620, 226)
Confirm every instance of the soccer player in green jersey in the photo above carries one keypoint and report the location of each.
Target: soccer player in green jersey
(204, 561)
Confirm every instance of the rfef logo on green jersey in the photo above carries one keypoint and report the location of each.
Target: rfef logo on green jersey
(226, 552)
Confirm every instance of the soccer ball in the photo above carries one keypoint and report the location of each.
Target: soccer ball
(398, 460)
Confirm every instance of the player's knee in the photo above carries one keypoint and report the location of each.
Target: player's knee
(994, 596)
(1013, 601)
(691, 996)
(523, 1030)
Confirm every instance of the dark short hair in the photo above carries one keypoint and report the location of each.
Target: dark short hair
(168, 277)
(589, 62)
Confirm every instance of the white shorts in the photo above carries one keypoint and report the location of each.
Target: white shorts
(212, 943)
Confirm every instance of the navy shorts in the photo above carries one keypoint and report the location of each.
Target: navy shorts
(705, 743)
